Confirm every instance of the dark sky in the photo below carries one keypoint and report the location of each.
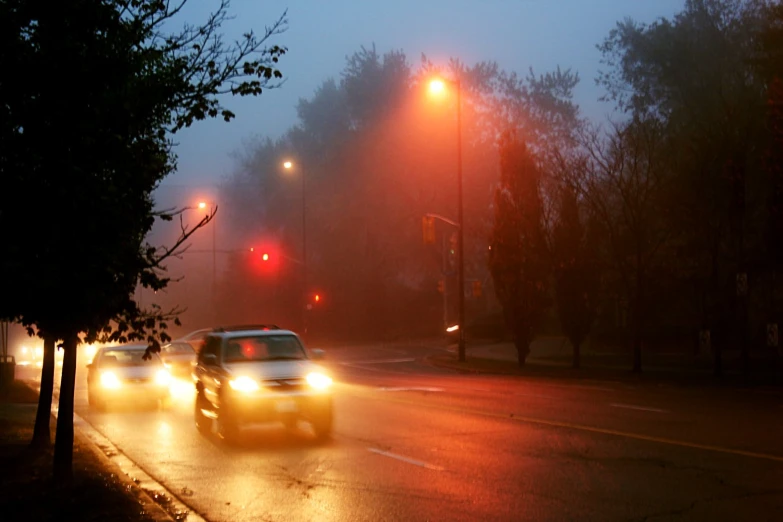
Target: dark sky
(517, 34)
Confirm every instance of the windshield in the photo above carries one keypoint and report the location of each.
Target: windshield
(264, 348)
(178, 348)
(126, 358)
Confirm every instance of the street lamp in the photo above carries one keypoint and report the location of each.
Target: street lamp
(202, 205)
(438, 86)
(289, 165)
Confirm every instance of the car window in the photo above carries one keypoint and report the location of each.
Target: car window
(126, 358)
(264, 348)
(177, 348)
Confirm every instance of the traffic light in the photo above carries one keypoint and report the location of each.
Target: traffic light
(317, 298)
(428, 230)
(265, 256)
(476, 288)
(441, 286)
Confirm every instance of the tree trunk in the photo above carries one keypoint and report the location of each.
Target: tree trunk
(522, 343)
(638, 316)
(577, 346)
(63, 442)
(42, 432)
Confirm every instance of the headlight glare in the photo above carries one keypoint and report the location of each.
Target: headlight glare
(319, 381)
(109, 380)
(163, 378)
(243, 384)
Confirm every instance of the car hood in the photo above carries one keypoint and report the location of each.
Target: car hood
(132, 372)
(273, 369)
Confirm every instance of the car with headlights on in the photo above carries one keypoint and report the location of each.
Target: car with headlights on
(179, 357)
(120, 374)
(260, 374)
(194, 338)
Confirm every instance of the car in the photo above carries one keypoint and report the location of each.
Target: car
(179, 357)
(119, 374)
(260, 374)
(194, 338)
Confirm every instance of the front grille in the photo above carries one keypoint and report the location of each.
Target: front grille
(138, 380)
(284, 385)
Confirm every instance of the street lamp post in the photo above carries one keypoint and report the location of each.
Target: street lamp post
(437, 86)
(203, 205)
(288, 165)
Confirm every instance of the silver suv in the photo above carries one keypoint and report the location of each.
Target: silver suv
(258, 374)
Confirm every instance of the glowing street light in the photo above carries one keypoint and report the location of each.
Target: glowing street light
(438, 86)
(289, 165)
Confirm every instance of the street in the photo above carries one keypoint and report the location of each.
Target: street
(415, 442)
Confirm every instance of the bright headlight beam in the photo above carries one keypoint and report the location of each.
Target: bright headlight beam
(163, 378)
(319, 381)
(243, 384)
(109, 380)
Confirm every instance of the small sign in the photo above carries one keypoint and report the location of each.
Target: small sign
(772, 335)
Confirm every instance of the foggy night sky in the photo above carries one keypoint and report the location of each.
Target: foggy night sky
(517, 34)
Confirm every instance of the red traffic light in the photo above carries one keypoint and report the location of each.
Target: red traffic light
(265, 257)
(317, 298)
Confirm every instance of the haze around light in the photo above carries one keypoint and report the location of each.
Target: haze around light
(517, 34)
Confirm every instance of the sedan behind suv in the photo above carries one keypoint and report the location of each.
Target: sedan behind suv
(260, 374)
(120, 374)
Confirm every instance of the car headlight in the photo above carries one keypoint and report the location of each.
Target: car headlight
(319, 381)
(243, 384)
(109, 380)
(163, 378)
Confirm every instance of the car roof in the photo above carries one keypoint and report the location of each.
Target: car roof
(194, 335)
(131, 347)
(256, 332)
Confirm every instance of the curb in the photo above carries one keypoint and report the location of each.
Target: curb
(135, 479)
(653, 375)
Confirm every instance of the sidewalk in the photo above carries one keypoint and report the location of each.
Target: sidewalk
(99, 491)
(552, 357)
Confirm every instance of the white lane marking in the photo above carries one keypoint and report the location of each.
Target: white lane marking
(405, 459)
(411, 388)
(378, 361)
(642, 408)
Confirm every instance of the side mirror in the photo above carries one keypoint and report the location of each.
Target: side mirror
(317, 353)
(210, 359)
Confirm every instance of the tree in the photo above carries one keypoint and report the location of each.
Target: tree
(576, 273)
(94, 161)
(770, 65)
(694, 74)
(519, 256)
(624, 181)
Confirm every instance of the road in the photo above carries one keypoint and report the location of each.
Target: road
(413, 442)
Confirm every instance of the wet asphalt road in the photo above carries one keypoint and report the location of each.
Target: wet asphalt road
(413, 442)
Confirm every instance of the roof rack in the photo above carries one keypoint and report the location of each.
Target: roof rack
(241, 327)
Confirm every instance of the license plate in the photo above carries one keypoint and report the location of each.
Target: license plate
(285, 406)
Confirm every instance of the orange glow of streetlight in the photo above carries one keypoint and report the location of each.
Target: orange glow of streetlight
(437, 86)
(202, 205)
(287, 164)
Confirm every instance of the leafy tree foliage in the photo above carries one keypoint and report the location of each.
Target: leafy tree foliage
(91, 150)
(519, 257)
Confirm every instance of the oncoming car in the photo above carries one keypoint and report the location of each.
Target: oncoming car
(260, 374)
(120, 374)
(179, 358)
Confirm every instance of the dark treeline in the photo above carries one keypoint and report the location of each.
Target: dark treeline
(645, 231)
